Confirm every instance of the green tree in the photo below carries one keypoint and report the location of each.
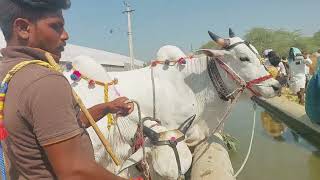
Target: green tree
(279, 40)
(209, 45)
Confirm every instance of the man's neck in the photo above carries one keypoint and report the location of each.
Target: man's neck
(15, 42)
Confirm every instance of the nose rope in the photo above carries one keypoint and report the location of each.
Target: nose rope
(144, 163)
(173, 142)
(254, 106)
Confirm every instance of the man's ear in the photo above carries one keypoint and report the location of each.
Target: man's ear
(22, 28)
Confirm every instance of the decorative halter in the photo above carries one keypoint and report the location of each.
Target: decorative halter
(218, 83)
(242, 83)
(248, 85)
(77, 76)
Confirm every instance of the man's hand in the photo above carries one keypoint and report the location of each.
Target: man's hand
(121, 106)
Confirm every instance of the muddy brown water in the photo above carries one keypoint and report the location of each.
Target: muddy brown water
(278, 153)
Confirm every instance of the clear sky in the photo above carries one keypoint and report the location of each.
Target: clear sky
(181, 22)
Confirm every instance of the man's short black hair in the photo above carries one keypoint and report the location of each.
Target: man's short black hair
(274, 59)
(32, 10)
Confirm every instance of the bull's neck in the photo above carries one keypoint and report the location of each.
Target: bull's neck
(208, 100)
(197, 78)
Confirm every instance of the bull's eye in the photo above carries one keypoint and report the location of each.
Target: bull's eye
(244, 59)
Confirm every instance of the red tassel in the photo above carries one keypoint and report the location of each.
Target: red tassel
(92, 84)
(182, 61)
(137, 178)
(77, 73)
(3, 132)
(154, 63)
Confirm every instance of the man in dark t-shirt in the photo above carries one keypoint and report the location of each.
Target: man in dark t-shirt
(47, 131)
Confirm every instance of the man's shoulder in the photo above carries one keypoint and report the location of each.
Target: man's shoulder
(36, 73)
(41, 70)
(31, 73)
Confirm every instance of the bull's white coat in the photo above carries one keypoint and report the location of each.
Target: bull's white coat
(181, 91)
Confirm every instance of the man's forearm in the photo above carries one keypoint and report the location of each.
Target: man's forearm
(97, 112)
(90, 170)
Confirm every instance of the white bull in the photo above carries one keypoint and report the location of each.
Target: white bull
(180, 91)
(163, 158)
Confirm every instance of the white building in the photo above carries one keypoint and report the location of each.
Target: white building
(110, 61)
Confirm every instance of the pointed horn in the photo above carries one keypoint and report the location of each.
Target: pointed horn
(231, 33)
(154, 136)
(186, 125)
(133, 159)
(217, 39)
(214, 36)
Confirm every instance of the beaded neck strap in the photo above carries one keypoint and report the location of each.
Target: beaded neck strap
(77, 75)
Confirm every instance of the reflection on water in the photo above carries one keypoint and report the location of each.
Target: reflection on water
(278, 153)
(279, 131)
(272, 126)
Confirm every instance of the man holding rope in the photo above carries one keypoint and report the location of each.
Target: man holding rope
(47, 136)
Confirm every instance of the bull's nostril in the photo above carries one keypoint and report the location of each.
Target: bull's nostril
(276, 88)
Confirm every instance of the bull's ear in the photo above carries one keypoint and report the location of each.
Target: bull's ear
(133, 159)
(186, 124)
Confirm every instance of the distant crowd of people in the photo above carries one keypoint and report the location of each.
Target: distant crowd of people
(292, 71)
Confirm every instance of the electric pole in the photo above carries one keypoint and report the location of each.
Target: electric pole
(128, 11)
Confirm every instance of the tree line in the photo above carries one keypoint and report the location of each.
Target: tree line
(279, 40)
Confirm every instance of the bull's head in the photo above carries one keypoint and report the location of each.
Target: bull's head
(165, 149)
(243, 58)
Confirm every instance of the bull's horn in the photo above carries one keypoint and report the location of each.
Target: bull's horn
(217, 38)
(231, 33)
(134, 159)
(214, 36)
(154, 136)
(186, 124)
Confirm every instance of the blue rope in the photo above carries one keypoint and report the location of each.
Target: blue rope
(2, 164)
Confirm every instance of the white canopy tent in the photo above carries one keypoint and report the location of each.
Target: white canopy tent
(110, 61)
